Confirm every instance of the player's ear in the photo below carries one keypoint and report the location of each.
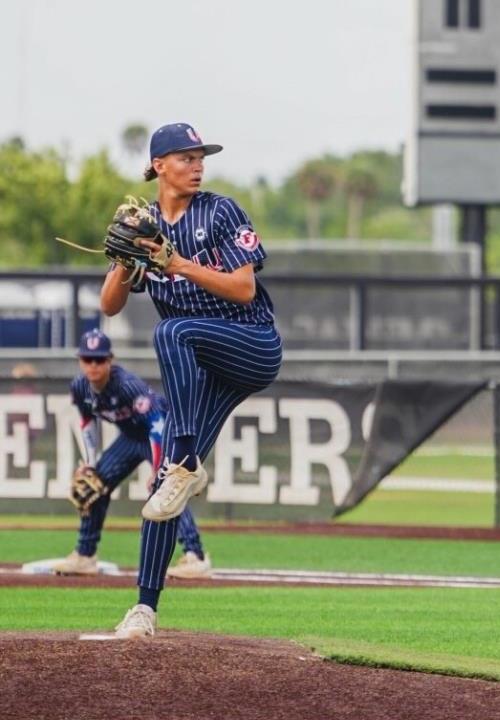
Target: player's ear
(158, 164)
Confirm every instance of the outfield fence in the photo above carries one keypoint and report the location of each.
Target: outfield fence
(298, 451)
(315, 311)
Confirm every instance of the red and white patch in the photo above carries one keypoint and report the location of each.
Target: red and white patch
(142, 404)
(247, 239)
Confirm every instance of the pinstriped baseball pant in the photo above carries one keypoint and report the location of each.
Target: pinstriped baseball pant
(116, 463)
(208, 367)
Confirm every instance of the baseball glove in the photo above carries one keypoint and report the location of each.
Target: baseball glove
(86, 488)
(131, 224)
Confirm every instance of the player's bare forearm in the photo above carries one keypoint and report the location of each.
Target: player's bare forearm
(237, 286)
(115, 290)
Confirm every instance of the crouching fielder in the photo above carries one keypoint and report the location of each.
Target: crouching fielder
(105, 391)
(216, 341)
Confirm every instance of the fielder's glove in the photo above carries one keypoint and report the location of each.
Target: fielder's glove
(86, 488)
(131, 224)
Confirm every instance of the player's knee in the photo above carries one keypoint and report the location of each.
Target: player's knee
(169, 331)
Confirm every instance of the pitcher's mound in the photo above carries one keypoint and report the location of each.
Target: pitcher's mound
(189, 676)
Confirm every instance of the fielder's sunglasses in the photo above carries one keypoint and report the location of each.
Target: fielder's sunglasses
(98, 360)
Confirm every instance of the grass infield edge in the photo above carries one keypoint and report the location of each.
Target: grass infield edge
(349, 652)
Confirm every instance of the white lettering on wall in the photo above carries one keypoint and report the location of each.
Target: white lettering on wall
(67, 428)
(256, 416)
(17, 446)
(137, 489)
(305, 453)
(228, 449)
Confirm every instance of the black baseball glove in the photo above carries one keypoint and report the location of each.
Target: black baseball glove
(86, 488)
(131, 224)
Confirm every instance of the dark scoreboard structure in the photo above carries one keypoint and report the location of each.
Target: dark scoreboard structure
(452, 154)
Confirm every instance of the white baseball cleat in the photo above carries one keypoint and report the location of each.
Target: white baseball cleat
(190, 566)
(139, 622)
(178, 486)
(76, 564)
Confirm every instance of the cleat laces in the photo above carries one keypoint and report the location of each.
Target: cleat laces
(137, 618)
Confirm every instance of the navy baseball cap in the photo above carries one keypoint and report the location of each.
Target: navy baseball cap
(176, 138)
(94, 344)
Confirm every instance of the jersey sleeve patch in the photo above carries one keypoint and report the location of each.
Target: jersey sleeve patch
(142, 404)
(246, 238)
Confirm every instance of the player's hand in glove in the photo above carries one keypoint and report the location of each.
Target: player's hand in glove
(135, 241)
(86, 488)
(132, 225)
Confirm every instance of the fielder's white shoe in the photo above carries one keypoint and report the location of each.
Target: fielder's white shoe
(139, 622)
(178, 486)
(190, 566)
(76, 564)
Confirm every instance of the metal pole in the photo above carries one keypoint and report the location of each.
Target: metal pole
(496, 440)
(473, 230)
(496, 315)
(362, 316)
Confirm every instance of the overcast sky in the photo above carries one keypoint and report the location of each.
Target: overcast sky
(274, 81)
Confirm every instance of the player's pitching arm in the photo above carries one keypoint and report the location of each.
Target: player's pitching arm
(115, 290)
(237, 286)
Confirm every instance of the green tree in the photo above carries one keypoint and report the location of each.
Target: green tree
(360, 185)
(33, 196)
(93, 199)
(134, 138)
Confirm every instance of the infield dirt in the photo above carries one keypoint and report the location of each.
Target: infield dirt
(197, 676)
(186, 676)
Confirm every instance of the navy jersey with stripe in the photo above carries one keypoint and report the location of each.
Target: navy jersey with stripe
(214, 232)
(126, 401)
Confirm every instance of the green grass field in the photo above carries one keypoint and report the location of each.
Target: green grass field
(433, 629)
(444, 630)
(288, 552)
(413, 507)
(431, 462)
(438, 630)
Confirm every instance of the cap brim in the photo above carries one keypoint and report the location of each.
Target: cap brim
(211, 149)
(89, 353)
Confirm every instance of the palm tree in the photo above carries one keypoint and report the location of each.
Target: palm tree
(317, 181)
(360, 185)
(134, 138)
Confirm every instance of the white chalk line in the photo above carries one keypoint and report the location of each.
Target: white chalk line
(291, 577)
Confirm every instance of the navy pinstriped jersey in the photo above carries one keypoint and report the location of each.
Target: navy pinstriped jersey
(126, 401)
(215, 232)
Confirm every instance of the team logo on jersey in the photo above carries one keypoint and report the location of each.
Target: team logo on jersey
(193, 136)
(246, 238)
(93, 342)
(142, 404)
(200, 233)
(209, 258)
